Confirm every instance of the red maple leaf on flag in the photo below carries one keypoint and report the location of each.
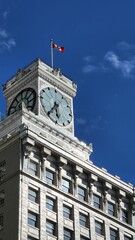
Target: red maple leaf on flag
(61, 49)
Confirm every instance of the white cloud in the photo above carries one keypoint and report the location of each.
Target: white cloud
(3, 33)
(89, 65)
(89, 68)
(124, 61)
(80, 121)
(6, 43)
(89, 59)
(5, 14)
(126, 67)
(113, 59)
(125, 46)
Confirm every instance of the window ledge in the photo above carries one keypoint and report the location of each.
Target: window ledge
(68, 223)
(52, 215)
(50, 237)
(33, 207)
(99, 237)
(84, 230)
(33, 231)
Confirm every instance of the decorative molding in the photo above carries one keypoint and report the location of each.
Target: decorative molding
(59, 84)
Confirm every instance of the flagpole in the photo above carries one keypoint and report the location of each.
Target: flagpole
(52, 53)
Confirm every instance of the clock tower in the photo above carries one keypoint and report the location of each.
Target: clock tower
(45, 92)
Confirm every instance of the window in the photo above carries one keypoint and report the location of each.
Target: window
(2, 171)
(37, 154)
(126, 203)
(66, 185)
(67, 234)
(50, 203)
(111, 209)
(49, 177)
(32, 219)
(113, 234)
(1, 222)
(96, 201)
(33, 168)
(124, 216)
(81, 193)
(50, 227)
(99, 187)
(99, 228)
(33, 195)
(84, 238)
(127, 238)
(66, 212)
(2, 197)
(113, 194)
(83, 220)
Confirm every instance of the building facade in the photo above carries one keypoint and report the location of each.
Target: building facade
(49, 188)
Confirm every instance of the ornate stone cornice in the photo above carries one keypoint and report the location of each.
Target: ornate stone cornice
(38, 69)
(20, 84)
(53, 134)
(57, 82)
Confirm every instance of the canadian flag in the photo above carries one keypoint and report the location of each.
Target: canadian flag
(61, 49)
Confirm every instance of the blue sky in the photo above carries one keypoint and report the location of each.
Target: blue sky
(99, 41)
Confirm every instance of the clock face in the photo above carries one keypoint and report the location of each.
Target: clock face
(28, 96)
(56, 106)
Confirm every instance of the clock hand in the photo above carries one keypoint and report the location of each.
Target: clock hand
(56, 105)
(57, 113)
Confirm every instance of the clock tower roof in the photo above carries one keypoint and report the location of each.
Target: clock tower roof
(41, 69)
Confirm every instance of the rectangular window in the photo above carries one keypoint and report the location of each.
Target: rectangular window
(124, 216)
(66, 212)
(83, 220)
(2, 197)
(32, 219)
(113, 234)
(2, 171)
(1, 222)
(99, 228)
(49, 177)
(81, 193)
(32, 195)
(127, 238)
(50, 227)
(66, 185)
(111, 209)
(37, 155)
(96, 201)
(50, 203)
(33, 168)
(67, 234)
